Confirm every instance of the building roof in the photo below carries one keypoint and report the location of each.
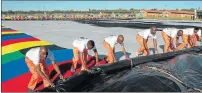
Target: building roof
(171, 11)
(181, 12)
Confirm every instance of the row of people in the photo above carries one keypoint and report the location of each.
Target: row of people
(189, 38)
(35, 57)
(82, 45)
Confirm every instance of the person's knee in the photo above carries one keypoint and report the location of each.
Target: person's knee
(111, 61)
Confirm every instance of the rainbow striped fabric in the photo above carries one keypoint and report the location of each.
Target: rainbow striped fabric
(15, 73)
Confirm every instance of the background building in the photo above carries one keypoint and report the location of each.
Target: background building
(199, 14)
(168, 14)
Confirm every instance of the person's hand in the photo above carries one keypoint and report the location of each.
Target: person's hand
(61, 77)
(87, 70)
(175, 50)
(115, 60)
(156, 52)
(51, 84)
(97, 64)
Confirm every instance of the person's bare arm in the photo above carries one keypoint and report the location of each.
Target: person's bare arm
(192, 40)
(172, 45)
(57, 69)
(145, 45)
(201, 40)
(177, 41)
(189, 40)
(155, 45)
(113, 53)
(123, 50)
(96, 55)
(38, 69)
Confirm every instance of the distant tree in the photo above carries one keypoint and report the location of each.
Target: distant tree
(93, 10)
(71, 10)
(192, 9)
(132, 9)
(10, 12)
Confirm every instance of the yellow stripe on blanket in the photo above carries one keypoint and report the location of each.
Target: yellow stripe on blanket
(9, 32)
(23, 45)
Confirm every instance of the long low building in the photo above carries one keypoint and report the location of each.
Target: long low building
(170, 14)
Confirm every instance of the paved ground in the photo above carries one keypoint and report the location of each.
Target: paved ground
(62, 33)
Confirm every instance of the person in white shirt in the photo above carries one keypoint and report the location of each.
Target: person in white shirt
(142, 38)
(193, 34)
(109, 43)
(80, 51)
(169, 34)
(35, 59)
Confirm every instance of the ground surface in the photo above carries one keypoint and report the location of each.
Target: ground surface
(62, 33)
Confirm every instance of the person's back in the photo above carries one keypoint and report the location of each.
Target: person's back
(112, 40)
(33, 54)
(171, 32)
(80, 43)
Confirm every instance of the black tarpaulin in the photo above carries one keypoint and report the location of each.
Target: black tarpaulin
(169, 72)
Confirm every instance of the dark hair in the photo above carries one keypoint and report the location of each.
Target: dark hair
(92, 43)
(181, 31)
(196, 28)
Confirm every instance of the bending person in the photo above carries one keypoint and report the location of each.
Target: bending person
(35, 60)
(190, 38)
(169, 34)
(109, 43)
(195, 35)
(80, 50)
(142, 38)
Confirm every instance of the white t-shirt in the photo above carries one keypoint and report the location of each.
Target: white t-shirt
(81, 43)
(172, 32)
(112, 40)
(34, 55)
(190, 31)
(146, 34)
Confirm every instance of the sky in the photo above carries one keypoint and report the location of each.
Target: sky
(85, 5)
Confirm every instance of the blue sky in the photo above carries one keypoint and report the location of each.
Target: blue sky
(85, 5)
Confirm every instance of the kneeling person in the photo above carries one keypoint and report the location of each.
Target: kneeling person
(35, 60)
(109, 43)
(143, 39)
(80, 50)
(169, 34)
(194, 35)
